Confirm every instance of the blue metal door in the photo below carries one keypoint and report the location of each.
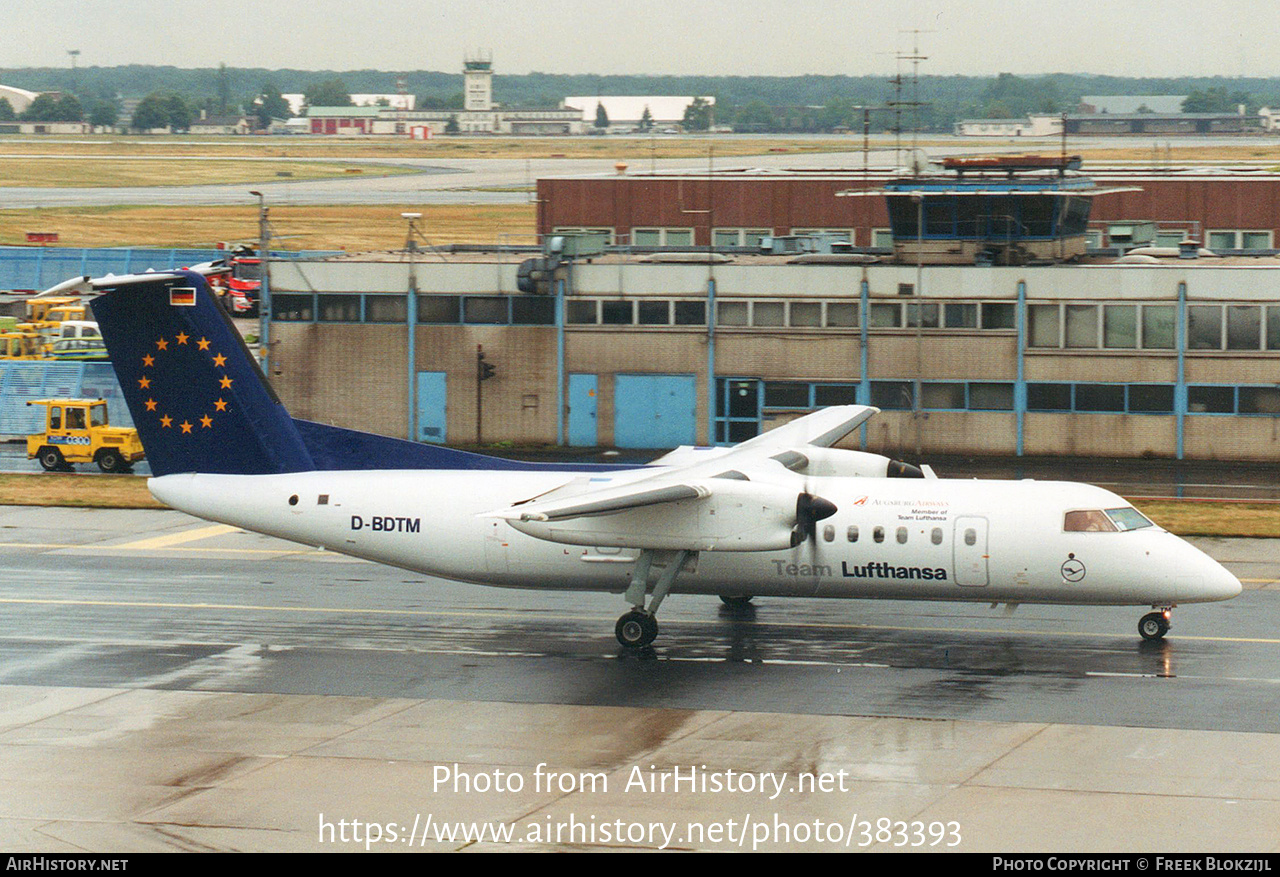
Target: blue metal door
(654, 411)
(582, 411)
(432, 407)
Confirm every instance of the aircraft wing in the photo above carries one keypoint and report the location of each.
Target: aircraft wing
(742, 500)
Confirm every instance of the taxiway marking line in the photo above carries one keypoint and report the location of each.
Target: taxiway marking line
(500, 613)
(178, 538)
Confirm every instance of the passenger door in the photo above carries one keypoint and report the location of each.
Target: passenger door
(970, 552)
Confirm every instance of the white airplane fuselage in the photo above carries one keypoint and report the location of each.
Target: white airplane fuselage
(925, 539)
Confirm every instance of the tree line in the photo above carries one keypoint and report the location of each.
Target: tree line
(173, 97)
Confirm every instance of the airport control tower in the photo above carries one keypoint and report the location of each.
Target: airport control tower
(477, 72)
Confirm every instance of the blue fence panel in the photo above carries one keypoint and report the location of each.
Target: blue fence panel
(42, 267)
(99, 382)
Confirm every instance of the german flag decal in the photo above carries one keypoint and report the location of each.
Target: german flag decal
(182, 296)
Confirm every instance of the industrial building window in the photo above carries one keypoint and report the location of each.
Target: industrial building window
(806, 314)
(844, 315)
(892, 395)
(1273, 328)
(580, 311)
(960, 316)
(1045, 326)
(942, 396)
(1239, 239)
(768, 313)
(439, 309)
(1082, 326)
(292, 308)
(677, 237)
(731, 313)
(691, 313)
(825, 395)
(1244, 327)
(786, 394)
(998, 315)
(1048, 397)
(990, 396)
(339, 308)
(386, 308)
(884, 315)
(1120, 326)
(1211, 400)
(1260, 400)
(485, 309)
(882, 238)
(1150, 398)
(654, 313)
(617, 313)
(646, 237)
(1158, 327)
(1204, 327)
(1100, 397)
(740, 237)
(923, 314)
(533, 310)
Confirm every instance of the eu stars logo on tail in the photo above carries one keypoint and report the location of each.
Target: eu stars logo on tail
(197, 397)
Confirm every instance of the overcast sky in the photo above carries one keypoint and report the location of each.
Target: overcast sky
(742, 37)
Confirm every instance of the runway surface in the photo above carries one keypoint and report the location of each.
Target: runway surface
(166, 683)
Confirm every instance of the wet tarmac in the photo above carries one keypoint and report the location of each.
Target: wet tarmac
(170, 684)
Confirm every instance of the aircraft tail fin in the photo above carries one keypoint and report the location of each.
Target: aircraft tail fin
(198, 398)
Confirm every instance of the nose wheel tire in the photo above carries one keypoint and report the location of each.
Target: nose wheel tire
(636, 629)
(1153, 626)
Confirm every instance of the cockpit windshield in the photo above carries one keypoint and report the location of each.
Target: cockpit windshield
(1108, 521)
(1129, 518)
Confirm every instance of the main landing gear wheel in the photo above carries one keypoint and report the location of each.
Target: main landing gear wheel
(1154, 625)
(636, 629)
(735, 602)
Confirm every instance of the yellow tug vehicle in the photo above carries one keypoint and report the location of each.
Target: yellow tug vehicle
(76, 431)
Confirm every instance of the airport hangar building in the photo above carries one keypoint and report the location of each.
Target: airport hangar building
(1224, 209)
(1176, 359)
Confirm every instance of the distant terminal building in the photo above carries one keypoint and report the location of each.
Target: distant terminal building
(480, 114)
(627, 111)
(1163, 352)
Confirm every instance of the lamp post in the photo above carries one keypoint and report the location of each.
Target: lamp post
(264, 285)
(411, 322)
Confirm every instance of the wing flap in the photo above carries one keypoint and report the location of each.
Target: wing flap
(603, 502)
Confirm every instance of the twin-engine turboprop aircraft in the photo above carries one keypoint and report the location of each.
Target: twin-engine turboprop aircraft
(781, 515)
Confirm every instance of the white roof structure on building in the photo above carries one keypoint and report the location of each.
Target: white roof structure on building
(662, 108)
(18, 98)
(1164, 104)
(403, 101)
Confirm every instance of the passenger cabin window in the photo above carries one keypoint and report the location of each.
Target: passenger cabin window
(1087, 521)
(878, 534)
(902, 535)
(970, 536)
(936, 536)
(852, 534)
(828, 533)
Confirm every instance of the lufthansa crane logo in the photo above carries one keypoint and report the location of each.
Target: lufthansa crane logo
(1072, 569)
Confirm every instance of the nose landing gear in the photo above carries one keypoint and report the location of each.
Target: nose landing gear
(1154, 625)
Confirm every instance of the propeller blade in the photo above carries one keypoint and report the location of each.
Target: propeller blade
(809, 510)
